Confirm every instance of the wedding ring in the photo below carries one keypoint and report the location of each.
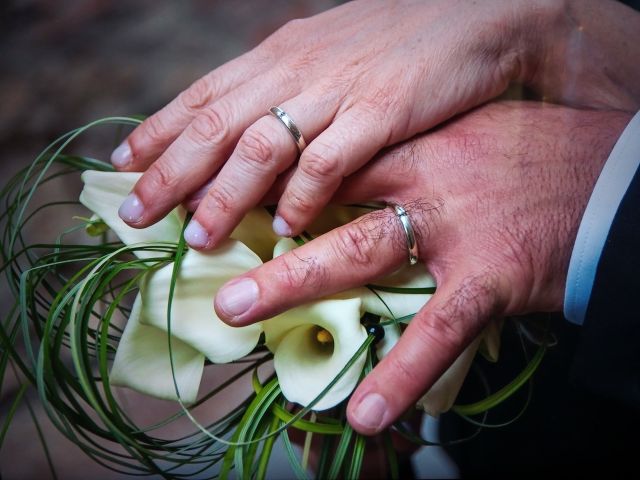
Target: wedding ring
(412, 246)
(288, 122)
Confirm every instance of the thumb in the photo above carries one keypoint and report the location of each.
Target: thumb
(436, 336)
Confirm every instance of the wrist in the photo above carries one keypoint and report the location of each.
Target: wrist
(580, 53)
(542, 31)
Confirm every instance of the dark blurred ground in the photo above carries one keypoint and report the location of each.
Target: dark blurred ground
(67, 62)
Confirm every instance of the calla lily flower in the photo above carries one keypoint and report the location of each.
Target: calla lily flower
(311, 345)
(104, 192)
(443, 393)
(196, 330)
(143, 361)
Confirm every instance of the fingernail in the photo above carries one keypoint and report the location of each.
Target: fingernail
(281, 227)
(371, 411)
(121, 156)
(236, 298)
(195, 235)
(131, 209)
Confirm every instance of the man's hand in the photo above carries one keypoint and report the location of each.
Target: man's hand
(495, 198)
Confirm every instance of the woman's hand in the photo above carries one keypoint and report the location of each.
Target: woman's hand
(495, 199)
(355, 79)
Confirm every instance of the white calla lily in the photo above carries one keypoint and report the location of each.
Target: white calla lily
(443, 393)
(193, 319)
(103, 194)
(142, 362)
(256, 232)
(303, 380)
(490, 346)
(312, 344)
(142, 359)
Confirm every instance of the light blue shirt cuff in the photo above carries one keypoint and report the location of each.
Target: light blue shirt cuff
(614, 180)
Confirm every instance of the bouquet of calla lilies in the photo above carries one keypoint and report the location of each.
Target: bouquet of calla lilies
(106, 308)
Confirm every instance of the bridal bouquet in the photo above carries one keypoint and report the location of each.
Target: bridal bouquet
(105, 310)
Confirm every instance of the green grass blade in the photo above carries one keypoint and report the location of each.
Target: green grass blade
(505, 392)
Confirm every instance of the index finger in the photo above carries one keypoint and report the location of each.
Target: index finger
(349, 256)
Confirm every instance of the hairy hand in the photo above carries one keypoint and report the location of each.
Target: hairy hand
(495, 198)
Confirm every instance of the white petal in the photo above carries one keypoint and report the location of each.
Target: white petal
(443, 393)
(103, 194)
(490, 346)
(305, 366)
(284, 245)
(395, 305)
(193, 318)
(143, 363)
(392, 334)
(256, 232)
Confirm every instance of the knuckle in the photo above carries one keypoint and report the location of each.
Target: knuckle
(318, 166)
(162, 176)
(281, 38)
(356, 245)
(405, 369)
(300, 200)
(220, 199)
(197, 95)
(297, 272)
(440, 330)
(209, 127)
(256, 149)
(153, 129)
(450, 324)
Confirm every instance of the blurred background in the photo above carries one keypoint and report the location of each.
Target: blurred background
(65, 63)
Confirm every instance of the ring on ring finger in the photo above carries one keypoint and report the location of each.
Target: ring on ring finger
(291, 126)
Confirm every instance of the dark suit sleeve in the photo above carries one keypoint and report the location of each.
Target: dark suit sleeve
(607, 361)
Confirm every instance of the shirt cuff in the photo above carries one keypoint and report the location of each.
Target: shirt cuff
(614, 180)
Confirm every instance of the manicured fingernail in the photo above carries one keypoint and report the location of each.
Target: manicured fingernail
(371, 411)
(121, 156)
(281, 227)
(131, 209)
(237, 297)
(195, 235)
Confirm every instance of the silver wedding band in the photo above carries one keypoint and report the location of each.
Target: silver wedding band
(288, 122)
(412, 245)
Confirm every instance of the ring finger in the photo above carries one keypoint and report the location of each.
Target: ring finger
(264, 151)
